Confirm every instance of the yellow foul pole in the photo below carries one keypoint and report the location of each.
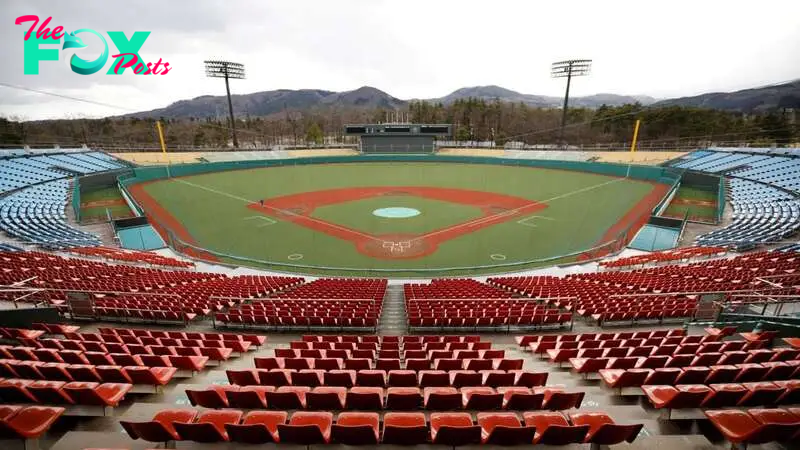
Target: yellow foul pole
(161, 136)
(635, 135)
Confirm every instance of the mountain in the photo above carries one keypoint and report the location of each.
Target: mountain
(491, 92)
(785, 95)
(271, 102)
(366, 97)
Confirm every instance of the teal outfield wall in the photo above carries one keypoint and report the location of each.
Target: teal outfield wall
(656, 174)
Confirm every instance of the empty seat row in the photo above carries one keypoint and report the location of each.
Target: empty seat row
(253, 339)
(122, 356)
(763, 393)
(19, 333)
(387, 339)
(56, 328)
(524, 341)
(477, 398)
(152, 376)
(593, 365)
(427, 346)
(62, 393)
(31, 369)
(363, 428)
(673, 255)
(737, 373)
(590, 359)
(117, 254)
(443, 364)
(657, 346)
(51, 351)
(472, 351)
(757, 426)
(383, 378)
(27, 422)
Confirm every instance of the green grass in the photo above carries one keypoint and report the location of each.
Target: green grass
(698, 213)
(435, 214)
(95, 213)
(581, 208)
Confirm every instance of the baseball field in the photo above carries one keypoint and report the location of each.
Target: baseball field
(398, 218)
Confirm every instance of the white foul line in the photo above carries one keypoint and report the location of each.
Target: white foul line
(515, 210)
(242, 199)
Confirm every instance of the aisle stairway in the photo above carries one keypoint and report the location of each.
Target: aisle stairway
(393, 319)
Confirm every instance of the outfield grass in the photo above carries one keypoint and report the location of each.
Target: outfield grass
(696, 204)
(104, 199)
(581, 207)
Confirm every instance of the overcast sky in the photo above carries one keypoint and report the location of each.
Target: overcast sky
(408, 48)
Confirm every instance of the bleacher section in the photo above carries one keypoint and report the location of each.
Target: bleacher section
(133, 293)
(761, 214)
(37, 189)
(20, 170)
(36, 215)
(471, 304)
(764, 191)
(634, 296)
(323, 303)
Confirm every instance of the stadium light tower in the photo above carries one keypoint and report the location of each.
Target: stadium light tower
(568, 69)
(226, 69)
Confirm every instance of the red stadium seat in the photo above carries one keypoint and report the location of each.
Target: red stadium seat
(209, 426)
(257, 427)
(404, 428)
(307, 428)
(603, 430)
(160, 428)
(356, 428)
(454, 429)
(552, 428)
(500, 428)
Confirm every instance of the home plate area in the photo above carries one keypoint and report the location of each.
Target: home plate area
(396, 246)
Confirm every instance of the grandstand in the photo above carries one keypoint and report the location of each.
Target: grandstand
(764, 192)
(687, 348)
(36, 189)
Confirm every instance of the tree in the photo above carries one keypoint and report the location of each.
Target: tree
(314, 134)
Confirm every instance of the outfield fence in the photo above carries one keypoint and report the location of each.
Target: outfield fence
(615, 244)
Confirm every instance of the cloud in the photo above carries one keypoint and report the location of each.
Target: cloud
(416, 49)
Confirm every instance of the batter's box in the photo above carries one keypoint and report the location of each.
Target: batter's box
(528, 221)
(266, 221)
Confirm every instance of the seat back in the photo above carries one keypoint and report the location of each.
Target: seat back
(505, 435)
(458, 435)
(198, 432)
(355, 434)
(563, 434)
(612, 434)
(301, 434)
(559, 401)
(147, 431)
(255, 433)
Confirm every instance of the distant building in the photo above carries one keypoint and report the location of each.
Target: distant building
(398, 137)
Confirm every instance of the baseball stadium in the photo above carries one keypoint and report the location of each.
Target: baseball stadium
(317, 269)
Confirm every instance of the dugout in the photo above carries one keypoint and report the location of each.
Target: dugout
(405, 138)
